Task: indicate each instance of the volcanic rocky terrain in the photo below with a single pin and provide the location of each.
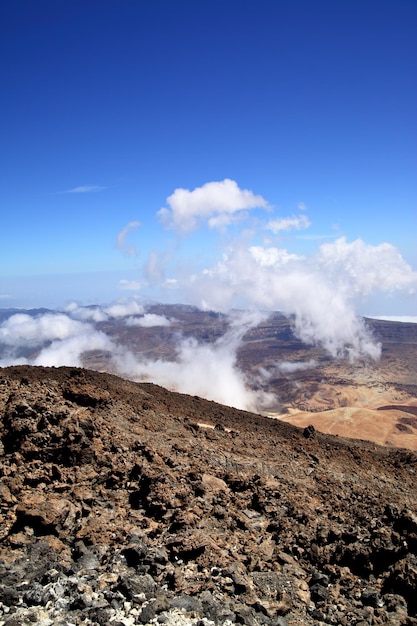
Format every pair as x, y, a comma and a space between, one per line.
125, 503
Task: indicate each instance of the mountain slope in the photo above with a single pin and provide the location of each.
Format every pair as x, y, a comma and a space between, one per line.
127, 503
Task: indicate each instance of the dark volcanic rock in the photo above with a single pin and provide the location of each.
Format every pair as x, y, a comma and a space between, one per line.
123, 503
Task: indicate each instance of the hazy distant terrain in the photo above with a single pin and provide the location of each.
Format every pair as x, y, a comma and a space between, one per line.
262, 366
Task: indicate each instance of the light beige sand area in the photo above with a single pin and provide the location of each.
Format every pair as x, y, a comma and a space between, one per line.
389, 427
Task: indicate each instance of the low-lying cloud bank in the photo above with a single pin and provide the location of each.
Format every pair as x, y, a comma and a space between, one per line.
52, 339
405, 319
206, 370
209, 370
149, 320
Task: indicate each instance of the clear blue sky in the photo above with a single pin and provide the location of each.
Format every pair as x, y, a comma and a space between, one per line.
110, 106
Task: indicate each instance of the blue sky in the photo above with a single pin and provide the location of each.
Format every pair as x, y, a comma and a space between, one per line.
264, 110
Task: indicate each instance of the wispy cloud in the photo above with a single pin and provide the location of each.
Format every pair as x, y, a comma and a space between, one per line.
85, 189
296, 222
121, 245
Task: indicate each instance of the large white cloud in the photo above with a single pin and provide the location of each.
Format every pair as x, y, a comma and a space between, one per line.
215, 202
319, 291
272, 257
365, 268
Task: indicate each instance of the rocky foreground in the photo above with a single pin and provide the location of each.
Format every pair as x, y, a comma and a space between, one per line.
123, 503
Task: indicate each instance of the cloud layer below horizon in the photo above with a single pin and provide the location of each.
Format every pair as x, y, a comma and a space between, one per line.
60, 338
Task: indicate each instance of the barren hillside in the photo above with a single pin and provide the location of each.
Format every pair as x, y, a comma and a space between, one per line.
125, 503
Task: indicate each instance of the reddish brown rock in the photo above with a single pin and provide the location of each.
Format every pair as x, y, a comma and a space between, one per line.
117, 505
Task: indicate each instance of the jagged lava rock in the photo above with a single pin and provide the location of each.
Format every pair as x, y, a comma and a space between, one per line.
126, 503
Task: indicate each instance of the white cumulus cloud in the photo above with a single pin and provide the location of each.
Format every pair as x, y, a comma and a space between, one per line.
271, 256
365, 268
321, 290
215, 202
